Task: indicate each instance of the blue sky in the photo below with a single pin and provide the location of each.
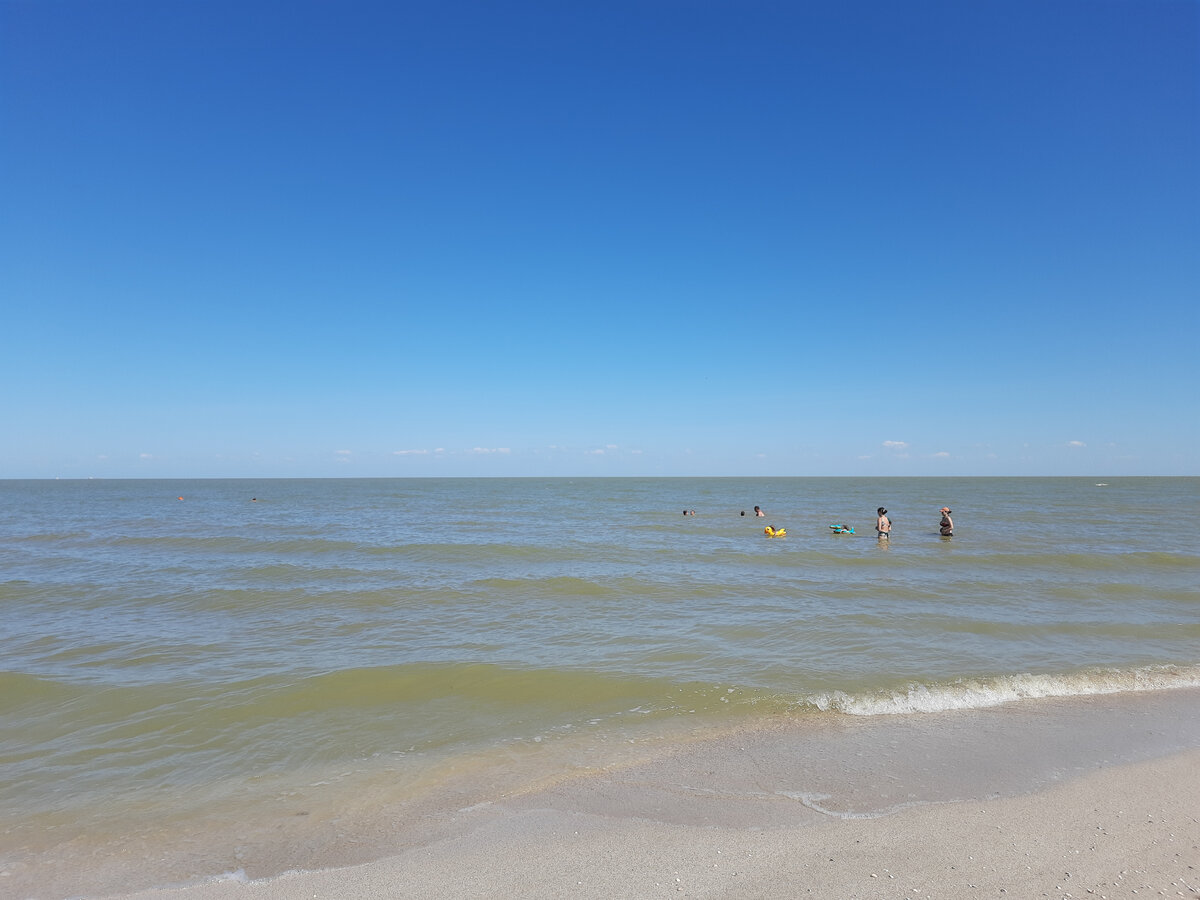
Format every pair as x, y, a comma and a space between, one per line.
527, 238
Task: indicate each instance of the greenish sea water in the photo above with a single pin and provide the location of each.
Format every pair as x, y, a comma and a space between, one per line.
201, 650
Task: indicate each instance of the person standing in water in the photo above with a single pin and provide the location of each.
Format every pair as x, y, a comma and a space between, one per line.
758, 512
883, 525
947, 524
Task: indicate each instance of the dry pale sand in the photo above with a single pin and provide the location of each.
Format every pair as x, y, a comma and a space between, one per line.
721, 821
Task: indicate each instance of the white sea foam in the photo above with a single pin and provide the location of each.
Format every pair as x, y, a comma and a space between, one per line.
816, 803
239, 876
986, 692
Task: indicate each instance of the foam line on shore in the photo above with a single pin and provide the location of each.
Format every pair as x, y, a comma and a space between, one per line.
982, 693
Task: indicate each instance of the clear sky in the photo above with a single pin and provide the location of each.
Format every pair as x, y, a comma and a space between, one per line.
677, 237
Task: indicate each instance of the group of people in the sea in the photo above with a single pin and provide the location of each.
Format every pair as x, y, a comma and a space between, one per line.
883, 524
757, 512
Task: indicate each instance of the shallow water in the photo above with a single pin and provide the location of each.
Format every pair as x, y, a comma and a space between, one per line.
167, 657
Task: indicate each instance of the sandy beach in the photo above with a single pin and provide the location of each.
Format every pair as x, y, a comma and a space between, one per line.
1095, 799
1121, 832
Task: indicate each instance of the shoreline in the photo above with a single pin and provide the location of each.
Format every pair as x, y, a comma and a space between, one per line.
1060, 798
1113, 833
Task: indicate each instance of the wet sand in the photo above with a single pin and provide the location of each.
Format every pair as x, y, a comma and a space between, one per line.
1098, 797
1120, 832
1086, 796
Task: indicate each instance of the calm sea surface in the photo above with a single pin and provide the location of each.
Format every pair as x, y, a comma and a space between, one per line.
174, 647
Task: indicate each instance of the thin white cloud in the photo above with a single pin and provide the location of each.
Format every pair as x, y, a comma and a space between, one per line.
145, 456
896, 445
941, 454
410, 453
1076, 444
343, 452
599, 451
490, 450
610, 446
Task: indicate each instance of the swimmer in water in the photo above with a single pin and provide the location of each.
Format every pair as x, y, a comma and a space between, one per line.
883, 525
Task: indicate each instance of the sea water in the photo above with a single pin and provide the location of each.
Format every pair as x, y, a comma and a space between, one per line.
290, 660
